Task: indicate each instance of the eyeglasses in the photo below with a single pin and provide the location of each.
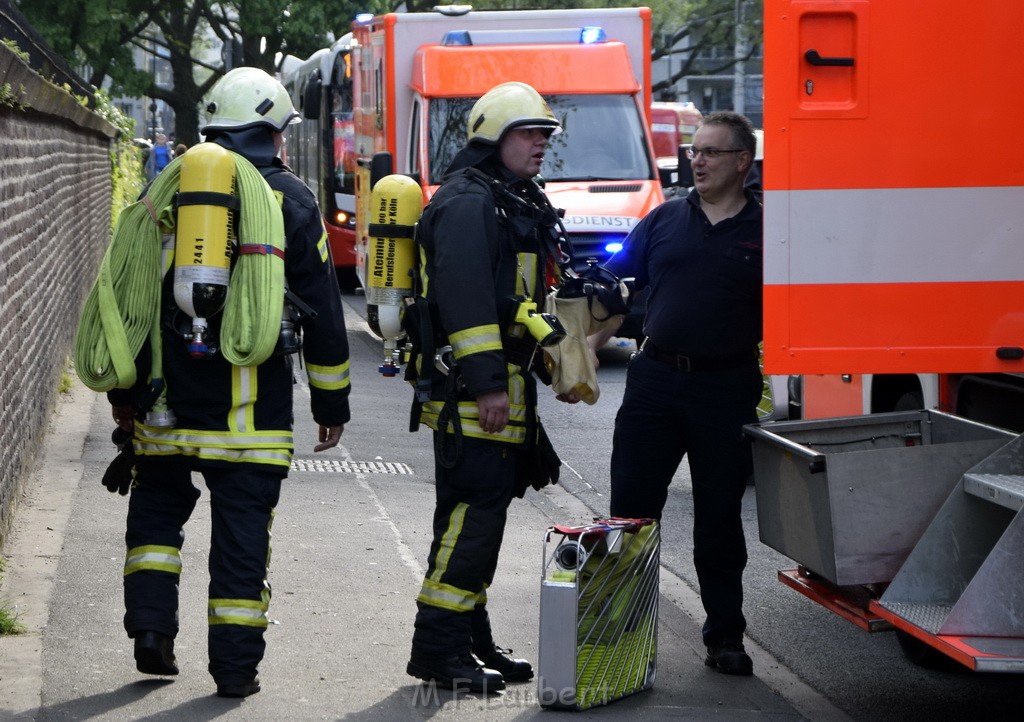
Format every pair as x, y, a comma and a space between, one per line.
709, 153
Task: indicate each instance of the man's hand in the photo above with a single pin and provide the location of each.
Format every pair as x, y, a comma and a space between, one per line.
568, 397
493, 407
329, 437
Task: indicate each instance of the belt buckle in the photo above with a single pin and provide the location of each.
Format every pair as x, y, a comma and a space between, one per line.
683, 363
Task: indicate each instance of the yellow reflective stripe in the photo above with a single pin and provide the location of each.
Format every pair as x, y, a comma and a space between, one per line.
243, 612
528, 265
469, 415
475, 340
448, 539
276, 438
242, 456
261, 447
321, 246
446, 596
154, 558
329, 378
279, 195
243, 399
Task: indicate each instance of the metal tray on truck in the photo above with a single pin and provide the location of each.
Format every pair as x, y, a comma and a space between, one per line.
849, 497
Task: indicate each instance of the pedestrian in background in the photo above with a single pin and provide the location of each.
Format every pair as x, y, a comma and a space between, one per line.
696, 381
159, 156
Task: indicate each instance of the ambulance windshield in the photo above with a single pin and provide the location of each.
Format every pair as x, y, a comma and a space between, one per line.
602, 138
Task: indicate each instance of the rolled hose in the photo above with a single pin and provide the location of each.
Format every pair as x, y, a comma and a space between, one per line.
124, 302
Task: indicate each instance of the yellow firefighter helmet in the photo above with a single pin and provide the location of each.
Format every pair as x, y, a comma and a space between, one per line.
507, 106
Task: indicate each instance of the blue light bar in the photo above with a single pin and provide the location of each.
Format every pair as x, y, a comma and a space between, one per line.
537, 36
613, 247
457, 38
363, 18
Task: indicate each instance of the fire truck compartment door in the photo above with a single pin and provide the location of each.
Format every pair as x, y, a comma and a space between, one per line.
894, 187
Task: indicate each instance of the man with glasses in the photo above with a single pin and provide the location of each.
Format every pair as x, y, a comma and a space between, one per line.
696, 380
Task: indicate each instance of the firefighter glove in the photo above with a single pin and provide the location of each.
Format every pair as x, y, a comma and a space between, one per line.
118, 476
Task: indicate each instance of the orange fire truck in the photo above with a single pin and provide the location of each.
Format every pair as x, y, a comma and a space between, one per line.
418, 74
894, 249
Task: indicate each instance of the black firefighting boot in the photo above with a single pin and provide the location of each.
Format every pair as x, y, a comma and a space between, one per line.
440, 653
493, 656
154, 654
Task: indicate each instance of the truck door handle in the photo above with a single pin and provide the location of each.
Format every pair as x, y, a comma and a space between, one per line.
815, 59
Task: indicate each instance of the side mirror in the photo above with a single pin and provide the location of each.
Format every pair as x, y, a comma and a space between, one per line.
311, 99
380, 165
685, 171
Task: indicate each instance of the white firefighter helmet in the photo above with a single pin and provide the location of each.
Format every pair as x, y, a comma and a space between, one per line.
246, 97
507, 106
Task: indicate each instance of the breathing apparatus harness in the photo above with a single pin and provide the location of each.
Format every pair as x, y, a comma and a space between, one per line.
523, 214
124, 307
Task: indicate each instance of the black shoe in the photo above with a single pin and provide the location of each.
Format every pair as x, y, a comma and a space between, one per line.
729, 659
237, 691
496, 658
154, 653
460, 672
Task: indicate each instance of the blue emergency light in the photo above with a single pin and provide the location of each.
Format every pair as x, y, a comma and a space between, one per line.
585, 35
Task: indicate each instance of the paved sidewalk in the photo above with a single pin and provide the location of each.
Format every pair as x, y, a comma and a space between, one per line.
350, 543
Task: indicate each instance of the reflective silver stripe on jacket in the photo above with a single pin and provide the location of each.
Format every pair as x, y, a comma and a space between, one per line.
262, 447
328, 378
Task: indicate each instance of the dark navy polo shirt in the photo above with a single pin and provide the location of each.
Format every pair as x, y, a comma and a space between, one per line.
705, 281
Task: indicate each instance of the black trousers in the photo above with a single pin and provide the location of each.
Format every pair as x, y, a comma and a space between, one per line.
665, 414
469, 524
242, 506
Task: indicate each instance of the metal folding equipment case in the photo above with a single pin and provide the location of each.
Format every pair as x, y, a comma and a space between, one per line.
598, 612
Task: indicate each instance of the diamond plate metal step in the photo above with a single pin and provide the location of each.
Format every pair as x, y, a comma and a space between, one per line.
1003, 489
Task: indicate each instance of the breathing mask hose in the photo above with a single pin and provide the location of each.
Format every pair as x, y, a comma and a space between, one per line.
124, 303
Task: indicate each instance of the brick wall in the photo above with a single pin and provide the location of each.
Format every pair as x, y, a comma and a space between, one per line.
55, 195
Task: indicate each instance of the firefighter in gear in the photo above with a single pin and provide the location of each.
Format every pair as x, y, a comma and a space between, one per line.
489, 243
231, 423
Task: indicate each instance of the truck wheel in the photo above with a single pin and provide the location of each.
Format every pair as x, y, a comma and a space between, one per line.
924, 655
909, 402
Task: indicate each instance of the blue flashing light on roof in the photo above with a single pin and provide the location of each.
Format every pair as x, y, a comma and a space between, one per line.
592, 34
364, 18
457, 38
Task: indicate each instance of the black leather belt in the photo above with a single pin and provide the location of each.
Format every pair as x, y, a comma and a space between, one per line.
681, 362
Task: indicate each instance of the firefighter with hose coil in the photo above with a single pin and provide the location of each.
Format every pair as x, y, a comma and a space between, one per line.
196, 357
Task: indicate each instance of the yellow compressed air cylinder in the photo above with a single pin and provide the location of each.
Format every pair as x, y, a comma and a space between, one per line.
203, 236
395, 206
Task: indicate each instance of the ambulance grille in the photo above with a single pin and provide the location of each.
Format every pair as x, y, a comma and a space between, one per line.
333, 466
632, 188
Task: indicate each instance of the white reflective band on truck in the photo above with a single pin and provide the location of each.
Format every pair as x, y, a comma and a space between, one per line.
894, 235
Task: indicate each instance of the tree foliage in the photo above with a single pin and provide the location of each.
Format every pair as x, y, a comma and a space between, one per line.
102, 36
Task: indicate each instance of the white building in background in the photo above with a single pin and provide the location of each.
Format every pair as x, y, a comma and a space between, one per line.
741, 88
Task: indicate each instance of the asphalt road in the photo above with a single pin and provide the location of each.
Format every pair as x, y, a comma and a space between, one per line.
865, 675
